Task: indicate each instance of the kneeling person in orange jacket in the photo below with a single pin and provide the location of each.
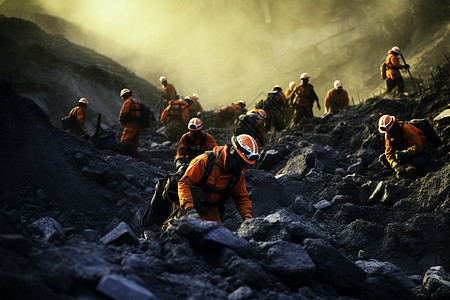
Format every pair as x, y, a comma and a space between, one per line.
203, 195
408, 151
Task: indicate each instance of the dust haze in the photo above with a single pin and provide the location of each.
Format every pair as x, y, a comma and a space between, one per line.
239, 49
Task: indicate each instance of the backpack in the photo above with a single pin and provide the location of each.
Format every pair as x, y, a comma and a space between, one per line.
425, 126
246, 124
70, 121
146, 114
383, 69
166, 192
272, 101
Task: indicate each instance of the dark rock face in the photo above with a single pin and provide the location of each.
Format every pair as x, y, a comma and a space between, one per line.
69, 216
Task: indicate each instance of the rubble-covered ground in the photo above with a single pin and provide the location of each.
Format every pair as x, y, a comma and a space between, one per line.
330, 222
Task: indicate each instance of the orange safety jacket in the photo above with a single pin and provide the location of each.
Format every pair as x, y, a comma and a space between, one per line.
196, 106
229, 112
130, 112
336, 99
393, 66
190, 148
169, 92
404, 137
305, 95
215, 185
177, 110
80, 114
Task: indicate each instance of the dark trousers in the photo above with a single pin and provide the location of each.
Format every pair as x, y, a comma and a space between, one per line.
397, 82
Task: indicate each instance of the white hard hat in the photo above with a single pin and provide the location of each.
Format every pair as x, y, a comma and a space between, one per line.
292, 85
304, 76
162, 78
396, 49
83, 100
337, 84
196, 95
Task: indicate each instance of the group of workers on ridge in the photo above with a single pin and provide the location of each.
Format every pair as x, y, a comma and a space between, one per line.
207, 174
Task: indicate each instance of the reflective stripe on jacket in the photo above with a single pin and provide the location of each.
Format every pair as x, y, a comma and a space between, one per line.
190, 148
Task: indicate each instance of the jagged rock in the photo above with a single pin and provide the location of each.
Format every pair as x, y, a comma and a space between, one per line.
378, 193
374, 267
248, 271
358, 168
333, 265
435, 282
41, 195
49, 227
120, 288
443, 118
288, 261
322, 204
120, 235
244, 292
15, 242
301, 206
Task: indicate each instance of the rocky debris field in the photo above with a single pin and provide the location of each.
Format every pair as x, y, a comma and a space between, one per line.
330, 222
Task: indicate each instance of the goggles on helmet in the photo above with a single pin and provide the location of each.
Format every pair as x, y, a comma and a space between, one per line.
246, 150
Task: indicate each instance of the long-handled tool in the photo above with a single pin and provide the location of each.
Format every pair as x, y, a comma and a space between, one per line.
410, 75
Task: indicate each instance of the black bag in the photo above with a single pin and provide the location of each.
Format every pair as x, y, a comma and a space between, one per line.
159, 208
383, 68
70, 121
425, 126
272, 101
146, 116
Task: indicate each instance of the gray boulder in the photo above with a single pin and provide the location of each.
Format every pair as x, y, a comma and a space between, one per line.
48, 227
120, 288
334, 266
120, 235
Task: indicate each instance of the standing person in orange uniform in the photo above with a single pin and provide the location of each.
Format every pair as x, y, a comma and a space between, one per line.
79, 128
336, 99
129, 117
168, 91
393, 67
289, 93
212, 177
196, 107
176, 117
305, 97
192, 143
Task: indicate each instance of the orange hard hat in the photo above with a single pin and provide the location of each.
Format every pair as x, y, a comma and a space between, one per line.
396, 49
195, 124
246, 147
242, 102
261, 113
385, 123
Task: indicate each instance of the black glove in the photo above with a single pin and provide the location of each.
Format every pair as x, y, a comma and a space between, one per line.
192, 213
406, 66
401, 156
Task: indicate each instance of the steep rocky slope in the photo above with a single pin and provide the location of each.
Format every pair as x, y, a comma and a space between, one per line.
330, 222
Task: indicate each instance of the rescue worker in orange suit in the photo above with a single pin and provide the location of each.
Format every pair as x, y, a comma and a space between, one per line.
304, 100
176, 117
336, 99
289, 94
227, 114
80, 111
129, 117
196, 107
226, 178
252, 124
407, 150
192, 143
168, 91
393, 67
